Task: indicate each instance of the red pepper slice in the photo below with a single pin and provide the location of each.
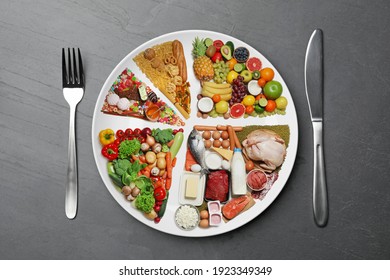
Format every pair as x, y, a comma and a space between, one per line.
110, 151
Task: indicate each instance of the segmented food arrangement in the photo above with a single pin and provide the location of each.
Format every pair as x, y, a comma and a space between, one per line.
193, 173
234, 84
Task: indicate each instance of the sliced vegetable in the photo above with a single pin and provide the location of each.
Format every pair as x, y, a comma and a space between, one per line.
163, 206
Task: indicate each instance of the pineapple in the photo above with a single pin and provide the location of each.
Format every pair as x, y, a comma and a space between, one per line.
199, 47
203, 68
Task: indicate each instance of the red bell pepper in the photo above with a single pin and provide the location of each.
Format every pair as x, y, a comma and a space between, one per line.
110, 151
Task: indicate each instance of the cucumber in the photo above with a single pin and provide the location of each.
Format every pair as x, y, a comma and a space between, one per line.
177, 141
163, 207
116, 179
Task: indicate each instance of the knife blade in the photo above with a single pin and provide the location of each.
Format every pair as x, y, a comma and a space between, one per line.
314, 87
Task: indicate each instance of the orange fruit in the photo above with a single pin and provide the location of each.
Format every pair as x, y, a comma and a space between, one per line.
249, 109
271, 105
267, 74
216, 98
261, 82
231, 62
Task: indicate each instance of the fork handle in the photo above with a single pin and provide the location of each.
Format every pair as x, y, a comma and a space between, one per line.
71, 182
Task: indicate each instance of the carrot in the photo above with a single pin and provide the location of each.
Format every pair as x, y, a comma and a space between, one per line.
168, 183
174, 162
168, 159
134, 157
170, 143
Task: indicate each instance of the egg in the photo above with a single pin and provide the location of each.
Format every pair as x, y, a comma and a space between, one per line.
224, 135
206, 135
204, 214
196, 168
216, 135
225, 144
217, 143
204, 223
208, 144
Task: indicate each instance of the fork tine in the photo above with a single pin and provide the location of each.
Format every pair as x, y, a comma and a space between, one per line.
81, 71
64, 73
75, 76
70, 72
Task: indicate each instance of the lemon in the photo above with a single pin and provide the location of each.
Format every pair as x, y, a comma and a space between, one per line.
222, 107
248, 100
231, 76
281, 103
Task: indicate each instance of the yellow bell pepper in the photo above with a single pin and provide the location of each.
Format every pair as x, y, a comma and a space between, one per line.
106, 136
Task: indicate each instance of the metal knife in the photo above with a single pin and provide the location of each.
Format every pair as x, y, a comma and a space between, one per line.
314, 86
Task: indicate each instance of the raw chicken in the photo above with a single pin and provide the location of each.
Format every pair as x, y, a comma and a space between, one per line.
265, 146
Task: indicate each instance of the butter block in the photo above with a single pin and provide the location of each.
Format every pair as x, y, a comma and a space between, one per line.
192, 184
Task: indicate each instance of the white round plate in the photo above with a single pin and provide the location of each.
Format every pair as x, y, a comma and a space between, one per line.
102, 121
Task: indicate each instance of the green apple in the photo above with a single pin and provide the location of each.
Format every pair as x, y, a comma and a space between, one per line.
247, 75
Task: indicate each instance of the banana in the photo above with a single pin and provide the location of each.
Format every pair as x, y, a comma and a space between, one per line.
225, 97
215, 85
218, 90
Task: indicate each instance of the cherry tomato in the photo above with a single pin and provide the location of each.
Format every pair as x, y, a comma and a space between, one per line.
249, 109
271, 105
261, 82
157, 220
128, 132
181, 130
159, 203
120, 133
216, 98
175, 131
267, 74
141, 139
137, 131
160, 193
218, 44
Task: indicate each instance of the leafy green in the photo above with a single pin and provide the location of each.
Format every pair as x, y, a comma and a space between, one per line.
128, 148
131, 173
145, 201
121, 166
162, 136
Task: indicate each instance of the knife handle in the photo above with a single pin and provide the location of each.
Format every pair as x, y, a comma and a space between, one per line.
320, 196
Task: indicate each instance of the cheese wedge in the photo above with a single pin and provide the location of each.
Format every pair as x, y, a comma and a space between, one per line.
192, 184
226, 154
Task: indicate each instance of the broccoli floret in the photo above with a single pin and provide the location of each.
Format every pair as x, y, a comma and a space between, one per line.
128, 148
162, 136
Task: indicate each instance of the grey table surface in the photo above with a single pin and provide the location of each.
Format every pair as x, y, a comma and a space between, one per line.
34, 128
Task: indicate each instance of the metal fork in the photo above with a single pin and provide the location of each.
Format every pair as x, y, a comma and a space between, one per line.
73, 89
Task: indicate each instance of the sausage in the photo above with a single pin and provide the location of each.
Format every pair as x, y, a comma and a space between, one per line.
235, 128
231, 137
178, 53
218, 127
236, 141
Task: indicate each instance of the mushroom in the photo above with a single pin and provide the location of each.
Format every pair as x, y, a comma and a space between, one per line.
157, 148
